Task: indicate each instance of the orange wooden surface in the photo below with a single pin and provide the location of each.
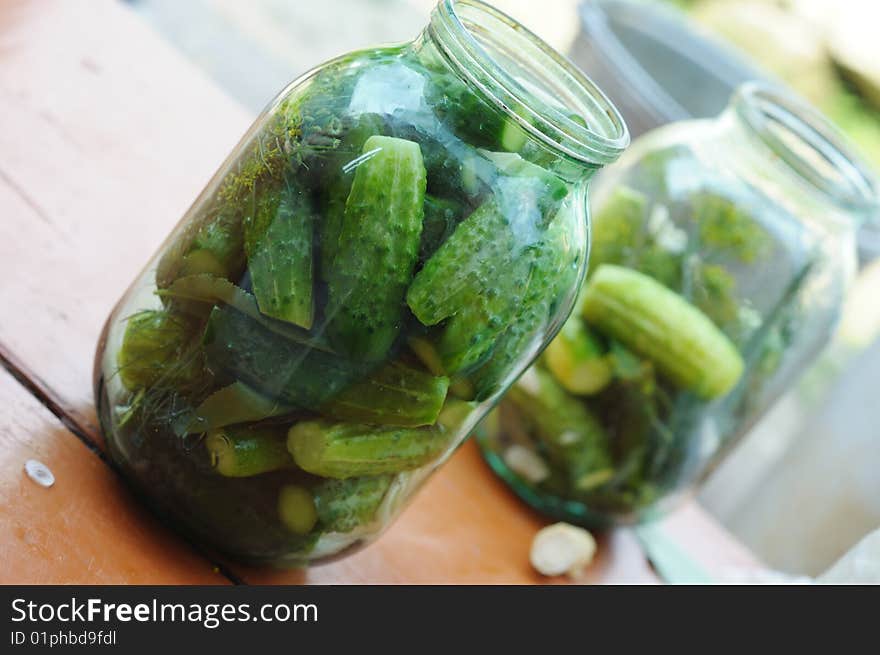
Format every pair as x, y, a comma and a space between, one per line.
107, 135
85, 528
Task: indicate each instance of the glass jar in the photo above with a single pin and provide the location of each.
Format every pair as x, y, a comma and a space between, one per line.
390, 245
721, 251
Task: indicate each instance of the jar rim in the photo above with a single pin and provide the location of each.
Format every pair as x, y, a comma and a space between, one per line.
475, 36
808, 143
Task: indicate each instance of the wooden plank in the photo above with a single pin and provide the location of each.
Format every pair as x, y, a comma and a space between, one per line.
108, 135
86, 528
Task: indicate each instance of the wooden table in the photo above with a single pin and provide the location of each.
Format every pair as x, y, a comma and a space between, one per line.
106, 135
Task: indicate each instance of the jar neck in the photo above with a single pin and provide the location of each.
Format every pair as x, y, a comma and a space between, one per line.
550, 99
789, 139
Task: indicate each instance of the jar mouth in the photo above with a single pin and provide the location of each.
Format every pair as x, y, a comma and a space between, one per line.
804, 140
548, 96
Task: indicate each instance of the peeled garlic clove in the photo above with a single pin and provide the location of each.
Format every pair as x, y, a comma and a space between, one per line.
562, 548
526, 463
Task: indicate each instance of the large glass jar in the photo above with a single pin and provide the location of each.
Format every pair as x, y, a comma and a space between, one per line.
391, 244
721, 251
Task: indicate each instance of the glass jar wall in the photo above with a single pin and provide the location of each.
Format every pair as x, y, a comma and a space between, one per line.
391, 244
721, 253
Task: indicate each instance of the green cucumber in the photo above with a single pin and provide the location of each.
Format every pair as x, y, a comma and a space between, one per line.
555, 268
275, 366
577, 359
235, 403
658, 324
349, 450
245, 451
159, 348
278, 243
296, 509
378, 249
393, 395
475, 279
572, 436
344, 505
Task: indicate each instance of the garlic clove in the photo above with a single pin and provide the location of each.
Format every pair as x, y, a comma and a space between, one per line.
562, 548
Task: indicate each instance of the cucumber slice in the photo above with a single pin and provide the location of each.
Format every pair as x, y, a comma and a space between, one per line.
278, 242
393, 395
242, 452
350, 450
658, 324
378, 249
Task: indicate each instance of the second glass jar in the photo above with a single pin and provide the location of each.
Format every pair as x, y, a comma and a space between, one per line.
721, 253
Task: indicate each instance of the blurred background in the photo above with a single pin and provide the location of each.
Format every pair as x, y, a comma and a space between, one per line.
804, 485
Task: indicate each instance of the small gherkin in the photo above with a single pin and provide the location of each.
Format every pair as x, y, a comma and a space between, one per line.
378, 249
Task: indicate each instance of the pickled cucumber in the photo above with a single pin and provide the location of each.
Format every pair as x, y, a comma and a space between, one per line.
475, 279
378, 248
393, 395
244, 451
663, 327
555, 269
275, 366
278, 243
343, 505
349, 450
